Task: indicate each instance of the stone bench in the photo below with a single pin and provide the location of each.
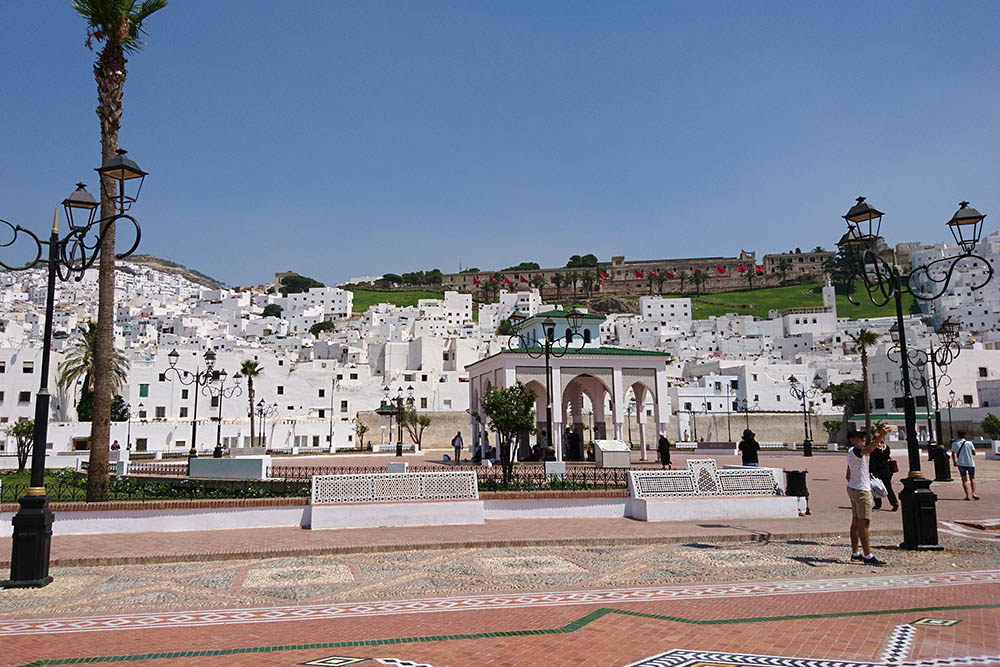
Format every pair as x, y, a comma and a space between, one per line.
396, 499
392, 448
702, 492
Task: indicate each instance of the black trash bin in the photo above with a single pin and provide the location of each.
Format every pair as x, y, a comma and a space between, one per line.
942, 465
795, 485
807, 448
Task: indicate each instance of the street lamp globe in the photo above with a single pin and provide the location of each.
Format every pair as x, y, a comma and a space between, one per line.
864, 222
966, 226
80, 200
123, 169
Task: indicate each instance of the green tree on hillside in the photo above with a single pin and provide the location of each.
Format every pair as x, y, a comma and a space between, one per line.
524, 266
683, 277
558, 279
784, 264
538, 282
272, 310
295, 284
578, 262
320, 327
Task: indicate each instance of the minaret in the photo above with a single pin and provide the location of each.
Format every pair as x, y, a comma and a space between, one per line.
830, 296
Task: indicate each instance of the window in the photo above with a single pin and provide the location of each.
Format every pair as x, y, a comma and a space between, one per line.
184, 412
406, 378
754, 377
23, 397
447, 404
140, 444
143, 391
281, 362
184, 394
921, 401
163, 377
778, 398
142, 414
340, 376
687, 406
28, 367
3, 366
423, 378
423, 402
322, 413
161, 412
215, 401
967, 399
586, 336
343, 406
180, 443
756, 397
281, 390
322, 393
353, 376
982, 372
1, 397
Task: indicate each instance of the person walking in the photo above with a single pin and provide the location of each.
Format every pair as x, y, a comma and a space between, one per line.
859, 490
663, 448
962, 452
880, 461
456, 444
749, 448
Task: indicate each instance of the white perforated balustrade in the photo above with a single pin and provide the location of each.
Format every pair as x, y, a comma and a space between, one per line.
394, 487
701, 479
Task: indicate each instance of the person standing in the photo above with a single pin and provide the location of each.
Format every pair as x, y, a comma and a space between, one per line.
749, 448
456, 444
962, 452
859, 490
881, 467
663, 448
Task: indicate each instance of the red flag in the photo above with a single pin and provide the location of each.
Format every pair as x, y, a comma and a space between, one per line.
476, 281
651, 272
741, 268
603, 275
637, 272
759, 269
493, 279
669, 275
720, 269
696, 269
523, 279
538, 275
507, 280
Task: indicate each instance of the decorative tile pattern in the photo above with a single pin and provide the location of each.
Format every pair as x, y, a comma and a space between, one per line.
746, 482
179, 619
661, 483
401, 663
938, 622
334, 661
898, 647
394, 487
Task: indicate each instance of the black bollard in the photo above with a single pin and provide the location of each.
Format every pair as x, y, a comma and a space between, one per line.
942, 465
807, 448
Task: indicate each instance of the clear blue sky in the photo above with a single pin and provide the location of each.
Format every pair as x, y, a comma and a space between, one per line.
345, 138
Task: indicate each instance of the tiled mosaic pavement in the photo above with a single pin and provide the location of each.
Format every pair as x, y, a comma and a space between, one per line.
783, 603
407, 574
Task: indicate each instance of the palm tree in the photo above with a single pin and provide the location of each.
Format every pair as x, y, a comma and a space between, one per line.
784, 264
863, 340
661, 277
251, 369
748, 274
118, 24
558, 280
682, 276
538, 282
588, 278
79, 363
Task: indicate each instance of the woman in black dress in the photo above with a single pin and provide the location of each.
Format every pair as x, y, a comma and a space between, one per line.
663, 447
879, 466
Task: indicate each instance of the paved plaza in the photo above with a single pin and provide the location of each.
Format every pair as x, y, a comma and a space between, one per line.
553, 592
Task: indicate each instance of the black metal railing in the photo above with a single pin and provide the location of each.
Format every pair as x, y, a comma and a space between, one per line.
142, 489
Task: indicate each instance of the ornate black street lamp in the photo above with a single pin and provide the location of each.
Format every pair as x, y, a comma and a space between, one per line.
885, 282
952, 402
221, 392
548, 346
200, 379
263, 412
803, 393
64, 258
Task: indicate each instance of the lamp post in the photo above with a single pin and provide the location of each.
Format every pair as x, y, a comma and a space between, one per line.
744, 407
199, 379
263, 412
884, 282
548, 345
64, 258
128, 436
629, 411
803, 393
951, 403
729, 415
221, 392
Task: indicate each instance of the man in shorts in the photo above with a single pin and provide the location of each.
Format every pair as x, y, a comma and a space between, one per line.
962, 452
859, 490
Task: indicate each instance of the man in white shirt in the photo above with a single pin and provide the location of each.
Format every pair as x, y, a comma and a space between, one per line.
859, 490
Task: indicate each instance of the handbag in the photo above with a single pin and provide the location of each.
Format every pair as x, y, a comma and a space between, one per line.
878, 488
893, 466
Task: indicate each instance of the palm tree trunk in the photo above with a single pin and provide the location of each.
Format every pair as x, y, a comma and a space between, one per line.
868, 402
250, 397
109, 72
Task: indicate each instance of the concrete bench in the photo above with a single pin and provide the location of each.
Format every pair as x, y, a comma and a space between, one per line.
702, 492
392, 448
396, 499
